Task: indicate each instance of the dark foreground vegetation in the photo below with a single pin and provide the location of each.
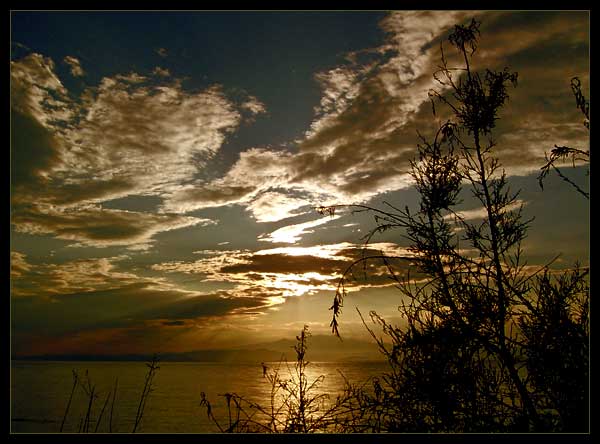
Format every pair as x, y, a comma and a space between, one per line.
104, 422
489, 344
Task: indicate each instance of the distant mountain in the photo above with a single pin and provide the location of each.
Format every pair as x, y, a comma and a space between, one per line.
320, 348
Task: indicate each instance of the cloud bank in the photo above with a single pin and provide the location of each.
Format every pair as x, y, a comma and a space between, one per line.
131, 135
364, 133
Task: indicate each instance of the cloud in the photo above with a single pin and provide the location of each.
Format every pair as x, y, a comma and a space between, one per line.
88, 300
218, 193
95, 226
206, 306
361, 140
18, 264
353, 150
293, 233
481, 212
273, 206
208, 266
36, 91
256, 170
269, 277
144, 134
547, 49
364, 133
155, 136
75, 65
142, 333
352, 252
161, 72
86, 303
78, 276
283, 272
103, 281
253, 105
363, 145
282, 264
340, 86
330, 251
34, 152
174, 323
130, 318
130, 135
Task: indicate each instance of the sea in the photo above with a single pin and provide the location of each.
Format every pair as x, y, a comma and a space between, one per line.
40, 392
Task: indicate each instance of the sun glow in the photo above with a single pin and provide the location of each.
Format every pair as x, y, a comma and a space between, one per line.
293, 233
291, 284
332, 251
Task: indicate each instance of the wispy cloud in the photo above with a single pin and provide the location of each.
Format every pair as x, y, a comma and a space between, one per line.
96, 304
290, 271
354, 149
480, 213
162, 72
293, 233
256, 170
75, 65
253, 105
364, 134
273, 206
78, 276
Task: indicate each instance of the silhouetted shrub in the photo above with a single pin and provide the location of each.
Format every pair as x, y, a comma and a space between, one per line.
488, 346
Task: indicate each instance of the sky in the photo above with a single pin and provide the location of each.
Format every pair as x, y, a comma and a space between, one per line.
165, 166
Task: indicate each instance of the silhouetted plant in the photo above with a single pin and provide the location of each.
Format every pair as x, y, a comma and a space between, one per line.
99, 420
295, 406
559, 153
146, 390
90, 391
112, 406
476, 353
557, 348
75, 381
91, 394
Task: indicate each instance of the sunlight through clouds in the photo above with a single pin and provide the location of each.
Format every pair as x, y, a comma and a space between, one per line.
167, 184
293, 233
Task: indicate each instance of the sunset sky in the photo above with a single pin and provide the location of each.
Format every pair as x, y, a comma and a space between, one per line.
166, 166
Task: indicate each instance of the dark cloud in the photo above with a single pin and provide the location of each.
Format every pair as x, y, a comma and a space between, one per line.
96, 226
173, 323
203, 306
137, 315
84, 303
34, 151
279, 263
125, 306
288, 272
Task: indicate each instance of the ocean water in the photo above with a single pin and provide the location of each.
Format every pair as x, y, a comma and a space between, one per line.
40, 392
